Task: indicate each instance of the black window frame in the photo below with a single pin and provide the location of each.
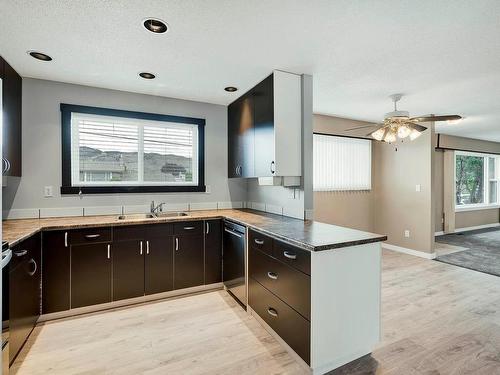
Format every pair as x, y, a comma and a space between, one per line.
68, 188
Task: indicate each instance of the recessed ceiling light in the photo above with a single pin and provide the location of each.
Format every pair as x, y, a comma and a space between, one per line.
230, 89
147, 75
39, 56
155, 25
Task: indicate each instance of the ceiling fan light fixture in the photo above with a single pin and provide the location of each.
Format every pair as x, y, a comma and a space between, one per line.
403, 131
378, 134
390, 137
415, 134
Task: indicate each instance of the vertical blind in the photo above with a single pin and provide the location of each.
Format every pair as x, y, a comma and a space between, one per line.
341, 163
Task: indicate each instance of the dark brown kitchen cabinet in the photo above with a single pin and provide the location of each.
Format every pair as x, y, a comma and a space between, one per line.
55, 272
213, 251
159, 262
90, 274
128, 269
12, 114
188, 260
241, 137
24, 292
264, 127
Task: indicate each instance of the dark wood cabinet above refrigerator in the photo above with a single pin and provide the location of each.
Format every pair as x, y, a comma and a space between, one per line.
265, 129
12, 115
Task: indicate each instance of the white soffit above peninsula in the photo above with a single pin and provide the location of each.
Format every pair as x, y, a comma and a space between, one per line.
444, 55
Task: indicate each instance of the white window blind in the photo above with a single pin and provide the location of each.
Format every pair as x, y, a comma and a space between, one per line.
341, 163
108, 150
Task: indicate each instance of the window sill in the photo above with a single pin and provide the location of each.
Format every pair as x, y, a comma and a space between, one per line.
131, 189
477, 207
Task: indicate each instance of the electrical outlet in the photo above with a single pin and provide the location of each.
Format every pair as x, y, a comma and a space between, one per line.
418, 188
407, 233
48, 191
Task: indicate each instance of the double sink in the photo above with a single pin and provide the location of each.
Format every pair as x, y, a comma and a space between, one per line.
152, 215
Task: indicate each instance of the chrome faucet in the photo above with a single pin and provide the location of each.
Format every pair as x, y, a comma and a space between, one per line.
155, 209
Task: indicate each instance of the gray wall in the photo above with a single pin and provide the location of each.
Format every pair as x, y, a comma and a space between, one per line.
42, 146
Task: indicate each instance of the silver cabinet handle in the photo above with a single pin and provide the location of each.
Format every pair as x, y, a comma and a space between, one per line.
109, 251
176, 244
92, 236
20, 253
289, 255
147, 247
32, 261
272, 312
140, 247
273, 169
272, 275
233, 233
208, 227
188, 228
258, 242
65, 239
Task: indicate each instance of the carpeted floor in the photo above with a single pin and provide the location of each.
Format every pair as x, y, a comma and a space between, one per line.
483, 250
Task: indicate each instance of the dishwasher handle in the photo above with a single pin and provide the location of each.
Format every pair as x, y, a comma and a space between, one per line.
239, 235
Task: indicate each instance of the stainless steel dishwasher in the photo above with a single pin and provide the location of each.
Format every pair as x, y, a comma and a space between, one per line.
233, 261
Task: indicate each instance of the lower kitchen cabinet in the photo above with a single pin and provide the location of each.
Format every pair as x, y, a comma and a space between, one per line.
24, 292
159, 265
128, 269
55, 272
213, 251
90, 274
188, 261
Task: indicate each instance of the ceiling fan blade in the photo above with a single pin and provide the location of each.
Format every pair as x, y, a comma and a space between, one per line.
374, 130
418, 127
436, 118
360, 127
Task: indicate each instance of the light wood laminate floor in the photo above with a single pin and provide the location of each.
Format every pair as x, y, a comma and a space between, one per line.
436, 319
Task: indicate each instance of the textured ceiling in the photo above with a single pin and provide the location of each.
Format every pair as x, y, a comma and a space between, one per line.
445, 55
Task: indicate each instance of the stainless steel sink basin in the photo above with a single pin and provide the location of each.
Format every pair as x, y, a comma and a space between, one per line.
171, 214
136, 216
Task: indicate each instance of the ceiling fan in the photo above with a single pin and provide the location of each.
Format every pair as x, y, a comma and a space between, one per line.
399, 124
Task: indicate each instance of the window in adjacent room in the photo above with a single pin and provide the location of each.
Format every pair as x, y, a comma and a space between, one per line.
341, 163
106, 151
477, 179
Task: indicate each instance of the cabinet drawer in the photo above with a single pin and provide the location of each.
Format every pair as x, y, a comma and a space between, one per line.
286, 322
159, 230
290, 285
293, 256
89, 235
129, 232
188, 228
260, 241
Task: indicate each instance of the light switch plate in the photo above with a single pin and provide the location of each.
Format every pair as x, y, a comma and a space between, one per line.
48, 191
418, 187
208, 189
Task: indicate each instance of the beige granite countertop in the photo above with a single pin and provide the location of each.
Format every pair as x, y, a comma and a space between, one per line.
308, 234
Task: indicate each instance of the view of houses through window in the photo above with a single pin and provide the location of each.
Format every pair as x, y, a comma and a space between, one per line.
110, 150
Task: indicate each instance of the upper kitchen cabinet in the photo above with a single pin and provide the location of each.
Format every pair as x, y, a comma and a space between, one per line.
264, 129
241, 137
11, 103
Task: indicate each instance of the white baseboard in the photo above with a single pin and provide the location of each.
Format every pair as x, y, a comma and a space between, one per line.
440, 233
405, 250
493, 225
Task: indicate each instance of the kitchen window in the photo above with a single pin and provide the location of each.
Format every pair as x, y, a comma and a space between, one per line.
477, 179
341, 163
115, 151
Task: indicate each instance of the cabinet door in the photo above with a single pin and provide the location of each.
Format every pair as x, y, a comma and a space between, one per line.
24, 292
159, 265
213, 251
12, 100
90, 274
128, 269
263, 99
55, 273
241, 137
188, 261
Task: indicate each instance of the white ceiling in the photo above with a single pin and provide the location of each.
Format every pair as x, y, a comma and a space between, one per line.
444, 54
